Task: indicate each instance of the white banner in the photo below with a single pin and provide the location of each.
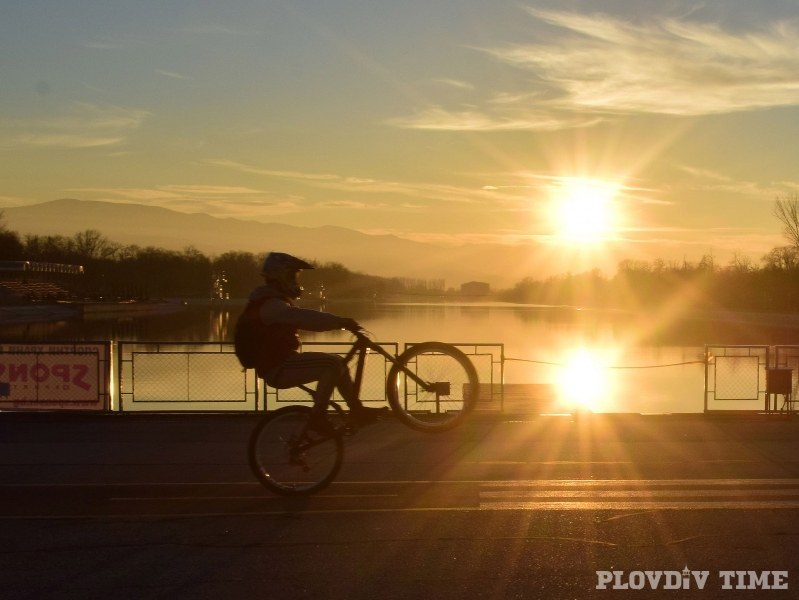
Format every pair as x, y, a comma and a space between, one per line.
54, 376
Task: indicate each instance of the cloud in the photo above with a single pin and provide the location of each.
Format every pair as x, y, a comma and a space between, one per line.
219, 201
597, 66
712, 181
667, 66
455, 83
83, 126
172, 74
244, 168
167, 193
115, 41
209, 190
477, 195
438, 118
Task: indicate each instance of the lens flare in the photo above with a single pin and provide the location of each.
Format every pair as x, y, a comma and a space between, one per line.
585, 381
584, 210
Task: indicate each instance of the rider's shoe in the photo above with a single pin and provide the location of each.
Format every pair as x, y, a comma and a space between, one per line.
361, 416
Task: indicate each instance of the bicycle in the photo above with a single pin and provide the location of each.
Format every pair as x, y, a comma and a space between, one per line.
430, 387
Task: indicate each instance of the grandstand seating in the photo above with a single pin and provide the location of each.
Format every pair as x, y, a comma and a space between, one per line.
32, 291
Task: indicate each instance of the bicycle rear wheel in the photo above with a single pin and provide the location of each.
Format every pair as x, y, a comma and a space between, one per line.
449, 392
289, 459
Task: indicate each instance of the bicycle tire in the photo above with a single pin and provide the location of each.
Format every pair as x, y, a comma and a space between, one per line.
290, 460
455, 380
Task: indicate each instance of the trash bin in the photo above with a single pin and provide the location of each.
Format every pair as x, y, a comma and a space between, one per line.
779, 380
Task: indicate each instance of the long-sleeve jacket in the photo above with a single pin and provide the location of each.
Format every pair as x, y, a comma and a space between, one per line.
279, 322
277, 309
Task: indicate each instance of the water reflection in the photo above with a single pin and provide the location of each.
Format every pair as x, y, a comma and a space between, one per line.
586, 380
182, 324
577, 352
219, 323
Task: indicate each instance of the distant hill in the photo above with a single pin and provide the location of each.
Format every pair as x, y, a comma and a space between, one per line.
382, 255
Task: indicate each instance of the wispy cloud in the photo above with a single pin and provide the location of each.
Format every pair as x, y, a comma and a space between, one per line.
83, 126
438, 118
712, 181
164, 193
210, 190
219, 201
599, 66
172, 74
667, 66
455, 83
377, 188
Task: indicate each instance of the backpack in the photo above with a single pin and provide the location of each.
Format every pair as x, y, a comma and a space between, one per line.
248, 338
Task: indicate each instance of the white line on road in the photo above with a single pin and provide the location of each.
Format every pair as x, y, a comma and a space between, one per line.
659, 494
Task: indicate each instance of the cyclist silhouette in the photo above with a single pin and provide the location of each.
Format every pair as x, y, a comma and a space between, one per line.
270, 325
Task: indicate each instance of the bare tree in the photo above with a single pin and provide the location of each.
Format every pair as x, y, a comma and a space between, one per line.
11, 248
782, 258
786, 209
92, 244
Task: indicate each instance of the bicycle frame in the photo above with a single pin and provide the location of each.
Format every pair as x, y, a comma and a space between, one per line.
292, 453
360, 347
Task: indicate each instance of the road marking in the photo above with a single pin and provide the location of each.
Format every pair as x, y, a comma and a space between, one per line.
264, 496
642, 494
624, 497
638, 482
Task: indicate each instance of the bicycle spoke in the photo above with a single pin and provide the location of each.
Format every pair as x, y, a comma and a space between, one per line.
288, 459
432, 387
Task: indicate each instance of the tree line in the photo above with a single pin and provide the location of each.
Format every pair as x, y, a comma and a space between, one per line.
704, 285
115, 271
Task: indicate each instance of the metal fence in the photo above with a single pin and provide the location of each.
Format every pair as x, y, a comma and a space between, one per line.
786, 358
751, 378
373, 386
205, 376
486, 358
182, 376
735, 377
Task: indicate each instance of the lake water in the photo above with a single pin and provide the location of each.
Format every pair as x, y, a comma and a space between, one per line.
606, 361
601, 360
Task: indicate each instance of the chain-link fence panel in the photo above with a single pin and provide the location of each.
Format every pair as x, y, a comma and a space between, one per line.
735, 378
489, 362
172, 376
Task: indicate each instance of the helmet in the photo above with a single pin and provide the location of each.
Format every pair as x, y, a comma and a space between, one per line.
281, 271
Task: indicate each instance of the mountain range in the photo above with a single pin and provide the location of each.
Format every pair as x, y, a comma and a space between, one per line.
382, 255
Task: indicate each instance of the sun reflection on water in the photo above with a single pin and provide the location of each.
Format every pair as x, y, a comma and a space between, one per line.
586, 380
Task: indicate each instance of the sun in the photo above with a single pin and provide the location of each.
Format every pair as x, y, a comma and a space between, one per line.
584, 210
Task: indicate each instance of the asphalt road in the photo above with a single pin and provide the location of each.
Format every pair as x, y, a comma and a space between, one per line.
165, 507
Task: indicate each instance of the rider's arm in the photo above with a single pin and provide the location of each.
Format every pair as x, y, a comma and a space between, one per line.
278, 311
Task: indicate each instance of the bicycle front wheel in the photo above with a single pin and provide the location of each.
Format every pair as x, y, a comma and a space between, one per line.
432, 387
289, 459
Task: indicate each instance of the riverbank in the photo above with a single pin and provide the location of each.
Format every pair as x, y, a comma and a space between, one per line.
61, 311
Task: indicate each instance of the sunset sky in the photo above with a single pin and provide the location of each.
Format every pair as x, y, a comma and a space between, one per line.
617, 128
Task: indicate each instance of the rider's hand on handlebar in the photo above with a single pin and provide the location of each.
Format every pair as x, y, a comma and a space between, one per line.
351, 325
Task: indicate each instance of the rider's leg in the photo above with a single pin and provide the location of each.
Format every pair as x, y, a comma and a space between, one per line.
307, 367
346, 388
361, 415
330, 371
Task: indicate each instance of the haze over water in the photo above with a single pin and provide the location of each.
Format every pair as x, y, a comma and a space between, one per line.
597, 360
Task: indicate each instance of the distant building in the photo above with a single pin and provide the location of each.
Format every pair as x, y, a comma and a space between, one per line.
475, 288
27, 281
